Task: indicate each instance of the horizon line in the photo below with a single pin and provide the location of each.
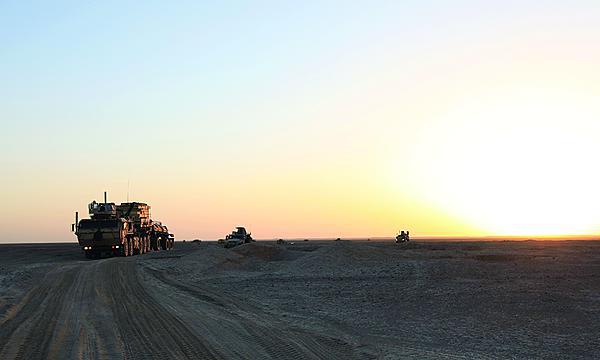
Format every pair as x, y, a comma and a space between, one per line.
491, 238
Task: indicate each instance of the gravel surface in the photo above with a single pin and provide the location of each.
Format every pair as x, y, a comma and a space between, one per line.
309, 300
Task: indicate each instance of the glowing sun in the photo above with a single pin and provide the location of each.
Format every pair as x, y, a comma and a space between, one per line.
525, 165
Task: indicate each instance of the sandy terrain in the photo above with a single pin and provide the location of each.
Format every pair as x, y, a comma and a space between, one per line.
310, 300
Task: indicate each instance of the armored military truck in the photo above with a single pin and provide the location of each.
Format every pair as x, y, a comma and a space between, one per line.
120, 230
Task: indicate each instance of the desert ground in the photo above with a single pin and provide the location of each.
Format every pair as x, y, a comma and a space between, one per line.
307, 300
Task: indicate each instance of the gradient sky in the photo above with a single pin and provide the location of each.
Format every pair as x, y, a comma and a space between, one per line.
302, 119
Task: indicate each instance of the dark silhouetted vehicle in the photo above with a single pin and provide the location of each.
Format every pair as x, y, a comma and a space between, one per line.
403, 236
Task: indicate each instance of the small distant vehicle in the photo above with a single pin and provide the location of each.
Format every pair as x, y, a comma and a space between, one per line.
237, 237
280, 241
403, 236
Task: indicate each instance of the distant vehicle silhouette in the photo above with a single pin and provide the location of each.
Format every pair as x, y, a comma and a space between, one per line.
403, 236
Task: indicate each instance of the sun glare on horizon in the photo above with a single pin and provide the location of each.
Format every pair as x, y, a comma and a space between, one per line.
517, 166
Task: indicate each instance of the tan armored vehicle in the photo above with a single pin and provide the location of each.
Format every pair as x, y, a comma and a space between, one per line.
120, 230
237, 237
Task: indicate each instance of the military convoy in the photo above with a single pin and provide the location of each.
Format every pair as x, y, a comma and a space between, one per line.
127, 229
120, 230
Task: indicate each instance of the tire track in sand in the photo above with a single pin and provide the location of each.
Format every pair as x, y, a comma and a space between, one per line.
237, 328
95, 310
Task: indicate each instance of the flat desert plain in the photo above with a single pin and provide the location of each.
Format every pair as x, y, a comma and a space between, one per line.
307, 300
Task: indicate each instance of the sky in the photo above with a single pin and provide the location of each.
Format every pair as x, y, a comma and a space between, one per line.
302, 119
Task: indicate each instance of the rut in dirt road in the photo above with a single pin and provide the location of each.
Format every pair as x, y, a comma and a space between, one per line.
239, 328
118, 309
95, 310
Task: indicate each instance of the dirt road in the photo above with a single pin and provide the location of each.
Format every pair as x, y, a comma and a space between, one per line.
108, 309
